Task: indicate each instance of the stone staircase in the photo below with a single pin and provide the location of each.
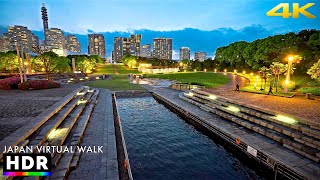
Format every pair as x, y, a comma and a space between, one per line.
299, 136
62, 125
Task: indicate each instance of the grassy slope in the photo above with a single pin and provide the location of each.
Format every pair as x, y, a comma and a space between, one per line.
202, 78
116, 82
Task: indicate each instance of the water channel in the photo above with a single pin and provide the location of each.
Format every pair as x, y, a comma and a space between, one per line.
161, 145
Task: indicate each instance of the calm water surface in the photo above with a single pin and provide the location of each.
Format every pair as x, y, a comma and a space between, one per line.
163, 146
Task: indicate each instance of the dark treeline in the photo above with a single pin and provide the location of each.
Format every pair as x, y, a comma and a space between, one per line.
262, 52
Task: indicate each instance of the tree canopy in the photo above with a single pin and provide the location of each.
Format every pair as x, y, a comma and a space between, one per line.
263, 52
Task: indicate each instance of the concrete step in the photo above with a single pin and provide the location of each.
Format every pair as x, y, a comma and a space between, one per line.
312, 125
25, 131
69, 161
58, 136
256, 125
298, 130
41, 135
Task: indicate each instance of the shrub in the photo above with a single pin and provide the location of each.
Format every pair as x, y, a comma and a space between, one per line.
38, 84
10, 83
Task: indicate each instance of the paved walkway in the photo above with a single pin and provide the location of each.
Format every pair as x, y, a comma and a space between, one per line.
99, 132
298, 106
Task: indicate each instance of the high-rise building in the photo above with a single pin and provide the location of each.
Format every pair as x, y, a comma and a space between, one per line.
117, 49
22, 36
126, 46
96, 44
162, 48
72, 43
54, 39
184, 53
145, 51
201, 56
135, 41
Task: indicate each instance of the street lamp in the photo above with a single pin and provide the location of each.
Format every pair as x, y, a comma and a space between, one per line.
290, 60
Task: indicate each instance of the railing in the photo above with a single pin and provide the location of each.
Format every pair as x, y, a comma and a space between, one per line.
185, 87
127, 162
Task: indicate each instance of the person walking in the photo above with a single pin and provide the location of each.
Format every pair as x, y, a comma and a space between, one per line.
238, 87
270, 90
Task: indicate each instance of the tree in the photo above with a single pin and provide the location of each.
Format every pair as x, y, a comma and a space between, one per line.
9, 61
314, 71
85, 64
263, 73
277, 69
51, 62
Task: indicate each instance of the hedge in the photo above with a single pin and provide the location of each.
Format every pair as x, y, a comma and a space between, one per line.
38, 84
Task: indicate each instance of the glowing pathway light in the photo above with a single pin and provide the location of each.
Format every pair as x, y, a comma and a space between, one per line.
244, 72
213, 97
97, 77
233, 109
80, 93
81, 102
205, 70
215, 70
189, 94
251, 74
87, 77
285, 119
57, 133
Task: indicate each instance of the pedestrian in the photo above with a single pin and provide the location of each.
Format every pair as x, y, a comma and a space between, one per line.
270, 90
238, 87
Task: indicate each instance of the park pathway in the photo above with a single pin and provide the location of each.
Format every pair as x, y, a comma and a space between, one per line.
297, 106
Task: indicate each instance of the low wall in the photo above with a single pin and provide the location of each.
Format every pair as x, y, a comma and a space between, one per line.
157, 71
184, 87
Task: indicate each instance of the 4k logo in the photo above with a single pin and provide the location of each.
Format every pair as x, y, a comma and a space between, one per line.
296, 10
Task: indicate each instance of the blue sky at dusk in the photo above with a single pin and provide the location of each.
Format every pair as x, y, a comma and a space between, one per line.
203, 25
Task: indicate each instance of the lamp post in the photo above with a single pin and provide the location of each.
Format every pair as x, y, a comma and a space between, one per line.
290, 60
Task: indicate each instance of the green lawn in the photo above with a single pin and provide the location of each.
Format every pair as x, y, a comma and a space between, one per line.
312, 90
104, 69
110, 69
250, 87
126, 70
206, 79
302, 84
115, 83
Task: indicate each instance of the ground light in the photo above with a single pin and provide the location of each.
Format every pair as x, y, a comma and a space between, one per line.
215, 70
251, 74
213, 97
57, 133
97, 77
195, 70
244, 72
285, 119
189, 94
233, 109
81, 102
205, 70
71, 79
87, 77
80, 93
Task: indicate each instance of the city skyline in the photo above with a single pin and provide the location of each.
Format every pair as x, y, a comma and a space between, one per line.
247, 32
